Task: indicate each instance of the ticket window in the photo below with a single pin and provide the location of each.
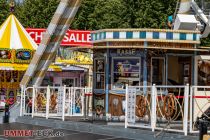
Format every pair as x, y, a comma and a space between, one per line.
158, 70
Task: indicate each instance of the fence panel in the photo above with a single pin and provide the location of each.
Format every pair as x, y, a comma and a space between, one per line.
157, 107
39, 107
26, 101
138, 106
199, 105
172, 108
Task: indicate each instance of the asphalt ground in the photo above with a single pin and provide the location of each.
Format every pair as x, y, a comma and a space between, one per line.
50, 133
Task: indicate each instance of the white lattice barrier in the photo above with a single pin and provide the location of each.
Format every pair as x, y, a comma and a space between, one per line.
138, 106
26, 101
157, 107
199, 105
57, 102
172, 108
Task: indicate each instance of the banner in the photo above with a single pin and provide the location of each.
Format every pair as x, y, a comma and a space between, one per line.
72, 37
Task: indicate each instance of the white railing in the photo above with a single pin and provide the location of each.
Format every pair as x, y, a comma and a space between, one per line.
56, 102
153, 107
157, 107
199, 103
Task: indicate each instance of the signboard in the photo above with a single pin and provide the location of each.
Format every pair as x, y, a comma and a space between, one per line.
131, 105
72, 37
60, 101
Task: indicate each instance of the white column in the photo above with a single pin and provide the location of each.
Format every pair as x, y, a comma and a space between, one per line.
126, 106
64, 101
186, 99
48, 102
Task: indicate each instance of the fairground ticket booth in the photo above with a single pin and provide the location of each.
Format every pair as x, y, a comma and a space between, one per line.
139, 57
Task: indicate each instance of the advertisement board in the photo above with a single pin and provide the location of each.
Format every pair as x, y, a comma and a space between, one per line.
72, 37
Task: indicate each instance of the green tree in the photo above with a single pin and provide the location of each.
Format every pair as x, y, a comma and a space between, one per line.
36, 13
4, 12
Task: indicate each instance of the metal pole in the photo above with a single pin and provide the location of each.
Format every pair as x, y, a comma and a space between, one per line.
64, 101
153, 113
186, 101
48, 102
126, 107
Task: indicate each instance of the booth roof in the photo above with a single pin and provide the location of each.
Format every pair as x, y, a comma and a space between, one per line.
23, 67
14, 36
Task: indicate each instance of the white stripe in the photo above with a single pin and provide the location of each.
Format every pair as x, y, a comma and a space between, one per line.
189, 36
15, 41
162, 35
30, 69
122, 35
149, 35
61, 8
32, 42
109, 35
175, 36
136, 35
5, 24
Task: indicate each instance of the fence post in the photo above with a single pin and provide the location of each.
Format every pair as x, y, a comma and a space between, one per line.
64, 101
191, 106
71, 101
126, 106
48, 100
33, 101
153, 113
85, 103
186, 99
21, 100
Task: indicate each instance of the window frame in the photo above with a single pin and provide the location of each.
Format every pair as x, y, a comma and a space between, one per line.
113, 72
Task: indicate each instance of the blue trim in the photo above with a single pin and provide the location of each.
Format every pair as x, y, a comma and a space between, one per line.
92, 37
143, 35
104, 35
95, 37
129, 35
182, 36
194, 37
169, 35
116, 35
145, 68
155, 35
107, 79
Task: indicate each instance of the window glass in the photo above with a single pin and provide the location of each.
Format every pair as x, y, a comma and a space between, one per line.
126, 71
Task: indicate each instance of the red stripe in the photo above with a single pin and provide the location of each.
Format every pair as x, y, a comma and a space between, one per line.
202, 97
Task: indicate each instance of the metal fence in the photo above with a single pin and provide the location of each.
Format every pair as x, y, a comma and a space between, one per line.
199, 105
169, 108
157, 107
56, 102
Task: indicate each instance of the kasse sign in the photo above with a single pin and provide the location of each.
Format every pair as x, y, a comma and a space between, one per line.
72, 37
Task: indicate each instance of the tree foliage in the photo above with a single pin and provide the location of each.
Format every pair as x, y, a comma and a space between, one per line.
98, 14
4, 12
36, 13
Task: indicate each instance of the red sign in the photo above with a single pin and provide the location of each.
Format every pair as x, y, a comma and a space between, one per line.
72, 37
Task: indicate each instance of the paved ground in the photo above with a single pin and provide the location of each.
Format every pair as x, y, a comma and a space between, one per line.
64, 134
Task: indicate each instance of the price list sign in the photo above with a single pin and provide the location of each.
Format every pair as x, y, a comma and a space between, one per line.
131, 102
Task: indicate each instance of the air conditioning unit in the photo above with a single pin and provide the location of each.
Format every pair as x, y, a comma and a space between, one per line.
185, 22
